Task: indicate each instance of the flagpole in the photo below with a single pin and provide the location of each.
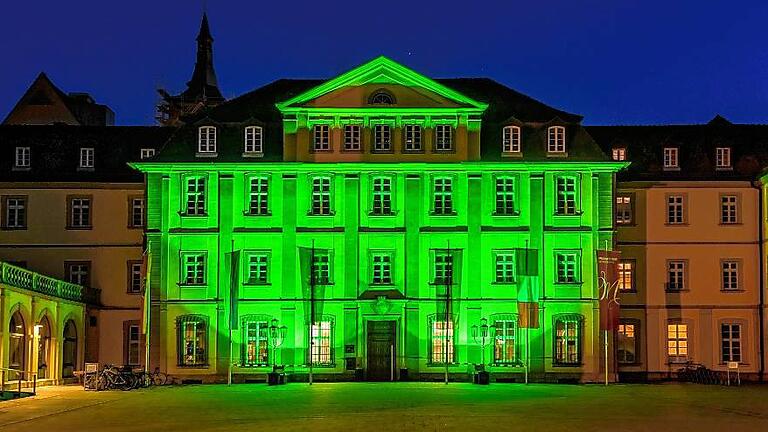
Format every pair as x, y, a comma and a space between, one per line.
231, 278
147, 310
449, 282
605, 343
527, 323
312, 308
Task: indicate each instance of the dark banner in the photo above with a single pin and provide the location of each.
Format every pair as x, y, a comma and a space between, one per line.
608, 288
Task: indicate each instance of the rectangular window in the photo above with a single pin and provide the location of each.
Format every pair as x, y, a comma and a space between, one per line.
78, 273
193, 268
322, 140
15, 212
382, 196
23, 159
352, 138
322, 343
505, 266
442, 341
86, 158
677, 342
675, 209
626, 351
566, 195
731, 342
253, 140
511, 140
676, 275
442, 268
382, 138
133, 345
504, 347
505, 195
256, 343
442, 202
134, 277
193, 339
567, 341
567, 267
195, 196
147, 153
626, 275
206, 139
79, 212
723, 157
136, 213
619, 154
412, 137
670, 158
258, 268
381, 266
258, 196
623, 209
321, 266
443, 137
556, 139
321, 196
729, 209
730, 275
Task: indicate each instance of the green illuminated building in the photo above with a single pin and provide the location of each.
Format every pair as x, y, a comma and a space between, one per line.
386, 180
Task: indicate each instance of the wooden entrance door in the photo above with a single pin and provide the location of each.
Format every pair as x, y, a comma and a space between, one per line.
381, 346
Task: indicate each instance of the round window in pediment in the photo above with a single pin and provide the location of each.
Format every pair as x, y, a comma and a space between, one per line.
381, 97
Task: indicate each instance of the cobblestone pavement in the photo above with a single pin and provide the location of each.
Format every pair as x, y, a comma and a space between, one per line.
393, 407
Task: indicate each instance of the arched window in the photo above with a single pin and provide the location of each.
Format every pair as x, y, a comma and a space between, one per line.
69, 361
381, 97
43, 348
569, 329
511, 140
556, 139
17, 342
192, 340
253, 140
206, 142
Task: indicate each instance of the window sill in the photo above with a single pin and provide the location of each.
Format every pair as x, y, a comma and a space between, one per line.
684, 290
673, 224
253, 154
250, 284
249, 214
448, 151
324, 365
21, 168
451, 214
202, 215
567, 365
200, 366
512, 154
134, 292
557, 154
19, 228
331, 214
724, 168
413, 151
186, 285
508, 283
731, 224
577, 213
206, 154
314, 150
577, 283
382, 151
733, 291
374, 285
671, 168
512, 214
382, 215
354, 151
86, 169
80, 228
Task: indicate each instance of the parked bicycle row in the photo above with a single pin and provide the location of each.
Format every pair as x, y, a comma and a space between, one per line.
111, 377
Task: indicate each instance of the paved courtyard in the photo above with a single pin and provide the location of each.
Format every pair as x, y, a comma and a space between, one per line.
393, 407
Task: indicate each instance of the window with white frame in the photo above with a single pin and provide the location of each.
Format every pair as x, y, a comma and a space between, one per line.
441, 339
23, 158
137, 212
442, 267
626, 350
504, 339
321, 266
443, 137
505, 266
729, 205
194, 196
322, 138
254, 140
676, 277
134, 277
442, 196
619, 153
382, 196
147, 153
206, 139
79, 212
626, 275
257, 268
511, 139
193, 268
381, 268
730, 275
87, 157
671, 158
565, 189
731, 342
15, 212
258, 195
133, 345
382, 138
255, 341
675, 209
505, 195
192, 340
568, 333
352, 135
677, 342
623, 209
78, 273
567, 267
412, 137
321, 196
321, 342
723, 157
556, 139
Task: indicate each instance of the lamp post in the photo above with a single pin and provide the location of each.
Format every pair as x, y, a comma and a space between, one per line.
480, 334
276, 337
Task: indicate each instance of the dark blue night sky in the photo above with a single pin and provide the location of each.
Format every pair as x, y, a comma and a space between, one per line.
615, 62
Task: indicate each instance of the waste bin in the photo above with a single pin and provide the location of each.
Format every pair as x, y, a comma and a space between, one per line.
482, 378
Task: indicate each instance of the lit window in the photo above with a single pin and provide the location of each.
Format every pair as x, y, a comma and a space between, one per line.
134, 277
730, 275
322, 140
442, 268
504, 346
258, 268
133, 344
322, 342
321, 196
729, 209
22, 157
382, 196
505, 195
147, 153
255, 342
567, 266
443, 137
192, 337
381, 263
382, 138
86, 158
675, 209
352, 138
321, 266
79, 212
556, 139
623, 209
78, 273
412, 137
677, 342
723, 157
505, 266
195, 196
137, 212
626, 275
441, 340
442, 202
206, 140
675, 275
511, 140
670, 157
626, 351
731, 342
568, 340
258, 196
15, 212
253, 140
619, 154
193, 268
566, 195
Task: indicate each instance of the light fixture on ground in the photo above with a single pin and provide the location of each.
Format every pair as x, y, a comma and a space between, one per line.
481, 333
277, 334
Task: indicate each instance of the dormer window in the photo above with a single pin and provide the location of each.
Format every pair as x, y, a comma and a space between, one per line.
147, 153
322, 140
22, 157
723, 157
671, 158
206, 142
556, 139
381, 98
86, 157
511, 140
619, 153
443, 137
253, 141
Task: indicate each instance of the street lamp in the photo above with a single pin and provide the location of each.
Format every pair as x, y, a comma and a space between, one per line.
480, 334
276, 337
